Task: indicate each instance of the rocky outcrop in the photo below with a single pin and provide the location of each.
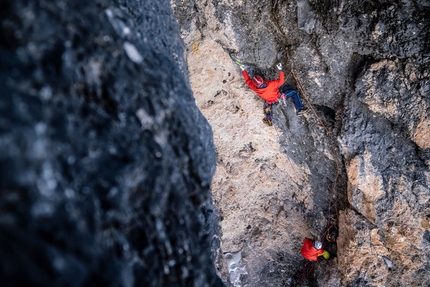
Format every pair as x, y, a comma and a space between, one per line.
387, 167
364, 70
105, 162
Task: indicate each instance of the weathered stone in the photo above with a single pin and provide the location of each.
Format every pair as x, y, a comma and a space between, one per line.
364, 69
105, 162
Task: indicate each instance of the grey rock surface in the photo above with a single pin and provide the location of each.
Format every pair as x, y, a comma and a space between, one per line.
105, 162
364, 67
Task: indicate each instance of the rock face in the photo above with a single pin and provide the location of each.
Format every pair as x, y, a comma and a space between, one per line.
105, 162
387, 166
363, 150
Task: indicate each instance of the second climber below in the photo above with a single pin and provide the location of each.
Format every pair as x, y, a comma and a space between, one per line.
311, 249
269, 92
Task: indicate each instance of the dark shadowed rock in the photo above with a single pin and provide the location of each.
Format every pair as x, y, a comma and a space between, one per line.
364, 67
105, 162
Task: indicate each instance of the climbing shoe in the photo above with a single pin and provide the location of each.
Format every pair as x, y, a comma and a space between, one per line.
302, 111
268, 121
267, 108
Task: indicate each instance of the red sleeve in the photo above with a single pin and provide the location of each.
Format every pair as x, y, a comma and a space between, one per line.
281, 78
248, 81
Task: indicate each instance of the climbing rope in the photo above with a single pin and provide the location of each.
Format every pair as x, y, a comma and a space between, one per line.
331, 218
289, 160
302, 92
330, 233
307, 271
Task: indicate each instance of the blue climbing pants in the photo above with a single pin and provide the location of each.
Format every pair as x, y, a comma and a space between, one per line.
294, 95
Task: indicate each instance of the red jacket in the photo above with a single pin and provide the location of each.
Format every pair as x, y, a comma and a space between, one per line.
270, 93
308, 250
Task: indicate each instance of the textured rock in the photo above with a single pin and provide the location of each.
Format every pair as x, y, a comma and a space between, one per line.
105, 160
387, 167
248, 160
364, 68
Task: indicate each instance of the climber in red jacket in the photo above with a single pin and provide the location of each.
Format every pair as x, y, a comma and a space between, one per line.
312, 249
269, 92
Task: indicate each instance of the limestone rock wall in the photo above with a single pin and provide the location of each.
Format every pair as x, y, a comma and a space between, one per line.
105, 160
388, 171
364, 70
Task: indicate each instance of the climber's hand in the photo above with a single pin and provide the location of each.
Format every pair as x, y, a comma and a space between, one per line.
279, 66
